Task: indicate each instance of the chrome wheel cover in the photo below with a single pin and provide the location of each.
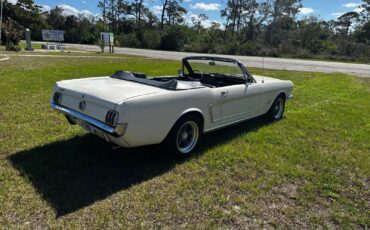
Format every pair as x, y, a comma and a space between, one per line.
187, 137
278, 108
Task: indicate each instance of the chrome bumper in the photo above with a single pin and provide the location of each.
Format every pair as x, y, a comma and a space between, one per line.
290, 96
98, 124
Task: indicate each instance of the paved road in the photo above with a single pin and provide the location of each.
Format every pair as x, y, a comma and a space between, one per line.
362, 70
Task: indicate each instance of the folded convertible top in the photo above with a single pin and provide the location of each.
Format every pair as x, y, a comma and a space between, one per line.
171, 84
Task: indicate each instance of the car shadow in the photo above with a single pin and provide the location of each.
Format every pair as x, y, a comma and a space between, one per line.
75, 173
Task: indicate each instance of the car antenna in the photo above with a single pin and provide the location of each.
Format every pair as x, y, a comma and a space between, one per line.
263, 68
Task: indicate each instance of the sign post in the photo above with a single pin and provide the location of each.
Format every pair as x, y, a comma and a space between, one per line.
111, 42
1, 15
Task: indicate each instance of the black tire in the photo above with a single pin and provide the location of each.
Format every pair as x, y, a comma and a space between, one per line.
184, 136
277, 109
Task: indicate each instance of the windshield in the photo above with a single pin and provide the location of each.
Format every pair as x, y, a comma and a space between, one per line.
215, 67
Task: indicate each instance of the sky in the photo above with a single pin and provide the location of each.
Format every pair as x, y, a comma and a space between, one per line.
324, 9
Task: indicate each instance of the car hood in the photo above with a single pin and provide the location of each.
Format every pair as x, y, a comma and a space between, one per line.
265, 79
107, 88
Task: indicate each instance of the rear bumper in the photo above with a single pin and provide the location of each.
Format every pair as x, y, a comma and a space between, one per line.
98, 124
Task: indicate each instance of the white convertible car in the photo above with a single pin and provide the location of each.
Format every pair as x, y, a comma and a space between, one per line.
132, 110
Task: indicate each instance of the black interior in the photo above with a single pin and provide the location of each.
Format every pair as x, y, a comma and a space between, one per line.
214, 80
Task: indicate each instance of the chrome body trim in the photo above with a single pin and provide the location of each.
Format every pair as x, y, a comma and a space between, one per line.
104, 127
231, 123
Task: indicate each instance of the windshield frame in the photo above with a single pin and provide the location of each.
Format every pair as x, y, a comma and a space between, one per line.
185, 65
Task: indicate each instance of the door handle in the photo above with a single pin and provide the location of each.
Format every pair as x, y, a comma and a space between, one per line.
224, 93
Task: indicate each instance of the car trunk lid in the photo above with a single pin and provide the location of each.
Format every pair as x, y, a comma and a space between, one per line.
109, 89
94, 97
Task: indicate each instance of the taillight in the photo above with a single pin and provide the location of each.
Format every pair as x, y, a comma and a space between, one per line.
111, 117
57, 98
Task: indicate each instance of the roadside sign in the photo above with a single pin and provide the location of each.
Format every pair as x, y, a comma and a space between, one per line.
53, 35
107, 38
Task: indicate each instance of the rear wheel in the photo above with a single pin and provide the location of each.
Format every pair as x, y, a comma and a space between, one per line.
276, 111
185, 136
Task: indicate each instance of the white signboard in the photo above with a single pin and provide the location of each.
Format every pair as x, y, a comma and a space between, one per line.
107, 38
53, 35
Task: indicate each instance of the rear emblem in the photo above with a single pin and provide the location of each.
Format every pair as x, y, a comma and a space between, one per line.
82, 105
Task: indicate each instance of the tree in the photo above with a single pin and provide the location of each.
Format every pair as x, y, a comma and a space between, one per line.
198, 20
249, 13
71, 26
164, 7
25, 14
174, 12
363, 33
136, 9
313, 34
232, 12
112, 15
248, 16
345, 22
365, 13
109, 9
103, 5
151, 18
174, 38
55, 18
283, 25
13, 35
285, 8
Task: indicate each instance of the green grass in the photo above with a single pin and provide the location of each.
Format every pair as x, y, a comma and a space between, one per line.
23, 45
309, 170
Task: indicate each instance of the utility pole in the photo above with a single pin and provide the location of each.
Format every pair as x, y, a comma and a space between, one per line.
1, 16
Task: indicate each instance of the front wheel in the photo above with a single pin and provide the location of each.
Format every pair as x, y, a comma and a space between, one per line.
184, 136
276, 111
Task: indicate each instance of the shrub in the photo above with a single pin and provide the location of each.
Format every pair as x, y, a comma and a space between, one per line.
151, 39
101, 45
251, 49
13, 34
130, 40
231, 48
302, 53
197, 46
219, 48
269, 51
174, 38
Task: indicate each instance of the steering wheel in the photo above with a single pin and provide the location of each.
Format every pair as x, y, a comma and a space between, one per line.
201, 74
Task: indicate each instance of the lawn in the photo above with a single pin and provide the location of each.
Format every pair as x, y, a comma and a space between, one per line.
309, 170
23, 45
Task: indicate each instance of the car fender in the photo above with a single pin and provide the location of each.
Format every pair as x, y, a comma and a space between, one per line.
189, 110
